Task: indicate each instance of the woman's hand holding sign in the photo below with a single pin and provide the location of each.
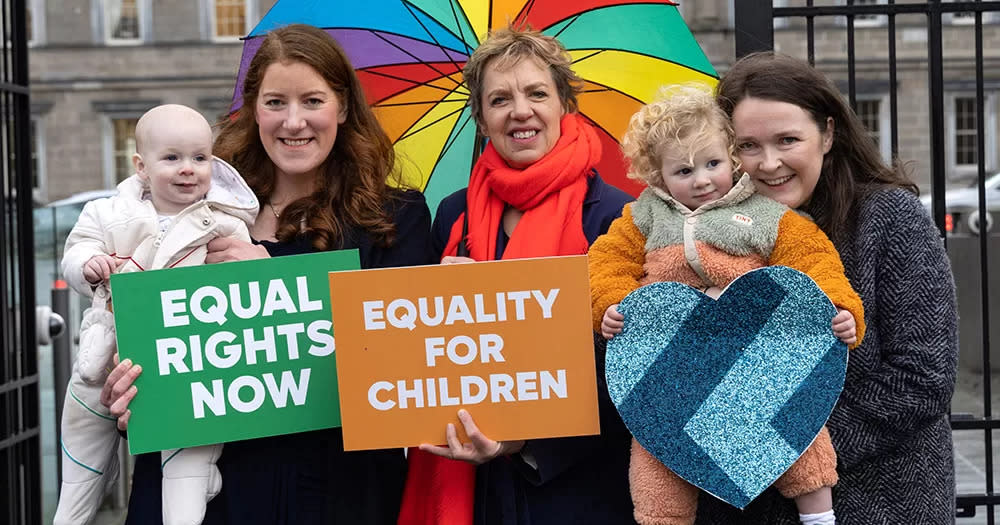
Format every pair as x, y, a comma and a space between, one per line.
480, 448
226, 249
118, 390
452, 259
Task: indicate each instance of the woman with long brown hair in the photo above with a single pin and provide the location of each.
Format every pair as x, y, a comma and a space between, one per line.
804, 147
309, 146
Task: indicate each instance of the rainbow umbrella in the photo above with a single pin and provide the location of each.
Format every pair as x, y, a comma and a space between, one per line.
409, 56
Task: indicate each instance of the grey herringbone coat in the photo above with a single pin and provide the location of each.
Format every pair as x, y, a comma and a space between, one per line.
890, 427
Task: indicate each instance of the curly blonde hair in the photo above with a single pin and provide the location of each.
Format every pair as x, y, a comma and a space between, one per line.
684, 115
510, 45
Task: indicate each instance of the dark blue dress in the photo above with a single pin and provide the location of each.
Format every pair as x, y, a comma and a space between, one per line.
579, 480
306, 478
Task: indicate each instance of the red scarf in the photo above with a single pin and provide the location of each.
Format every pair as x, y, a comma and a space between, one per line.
550, 192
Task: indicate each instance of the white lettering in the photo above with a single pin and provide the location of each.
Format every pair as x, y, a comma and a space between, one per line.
518, 298
251, 346
171, 307
433, 348
216, 312
255, 387
409, 314
171, 351
278, 298
373, 399
468, 398
546, 301
305, 304
373, 315
550, 385
279, 393
319, 333
501, 385
236, 302
526, 386
214, 400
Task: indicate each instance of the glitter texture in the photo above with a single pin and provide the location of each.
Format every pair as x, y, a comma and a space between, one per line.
728, 393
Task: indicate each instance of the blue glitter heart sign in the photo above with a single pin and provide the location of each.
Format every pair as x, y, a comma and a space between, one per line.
728, 393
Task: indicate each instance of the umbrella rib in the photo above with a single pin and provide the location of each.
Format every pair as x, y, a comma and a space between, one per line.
602, 128
458, 23
410, 8
523, 15
452, 142
597, 8
611, 89
571, 22
639, 53
444, 150
417, 103
415, 83
410, 133
414, 57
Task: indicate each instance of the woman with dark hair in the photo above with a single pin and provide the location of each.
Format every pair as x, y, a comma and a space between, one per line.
804, 147
311, 150
532, 193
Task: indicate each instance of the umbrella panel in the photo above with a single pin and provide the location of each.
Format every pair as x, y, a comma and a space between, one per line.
409, 59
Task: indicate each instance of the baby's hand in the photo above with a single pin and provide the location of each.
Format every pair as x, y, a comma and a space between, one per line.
98, 269
612, 323
844, 327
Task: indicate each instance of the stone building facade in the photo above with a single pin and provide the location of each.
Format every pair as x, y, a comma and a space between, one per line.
713, 23
96, 65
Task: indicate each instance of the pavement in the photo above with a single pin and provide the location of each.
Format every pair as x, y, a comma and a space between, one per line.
970, 455
970, 445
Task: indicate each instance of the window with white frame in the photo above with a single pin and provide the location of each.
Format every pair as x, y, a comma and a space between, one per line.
123, 21
119, 146
231, 19
966, 122
38, 158
35, 21
963, 134
872, 112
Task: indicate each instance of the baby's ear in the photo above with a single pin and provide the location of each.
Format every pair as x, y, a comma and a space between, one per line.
139, 165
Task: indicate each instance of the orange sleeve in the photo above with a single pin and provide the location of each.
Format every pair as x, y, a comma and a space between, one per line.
803, 246
615, 261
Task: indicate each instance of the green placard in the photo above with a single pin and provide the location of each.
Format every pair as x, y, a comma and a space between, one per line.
230, 351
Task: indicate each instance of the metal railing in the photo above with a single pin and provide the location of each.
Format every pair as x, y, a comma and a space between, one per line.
20, 454
755, 31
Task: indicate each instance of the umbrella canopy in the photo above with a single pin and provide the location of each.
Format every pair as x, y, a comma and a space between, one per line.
409, 56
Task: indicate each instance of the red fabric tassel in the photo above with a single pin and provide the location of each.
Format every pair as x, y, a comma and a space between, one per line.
438, 491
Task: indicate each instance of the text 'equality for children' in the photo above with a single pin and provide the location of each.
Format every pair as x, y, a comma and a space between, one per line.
484, 348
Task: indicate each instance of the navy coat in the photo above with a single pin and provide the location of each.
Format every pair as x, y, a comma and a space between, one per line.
579, 480
306, 478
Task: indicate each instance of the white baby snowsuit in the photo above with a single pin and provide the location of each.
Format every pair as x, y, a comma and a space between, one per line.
126, 226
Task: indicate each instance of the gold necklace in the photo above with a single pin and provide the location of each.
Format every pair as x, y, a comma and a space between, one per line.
274, 211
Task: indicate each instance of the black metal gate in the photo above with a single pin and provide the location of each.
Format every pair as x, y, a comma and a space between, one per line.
754, 31
20, 476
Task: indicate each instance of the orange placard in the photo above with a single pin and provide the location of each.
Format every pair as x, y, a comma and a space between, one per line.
509, 341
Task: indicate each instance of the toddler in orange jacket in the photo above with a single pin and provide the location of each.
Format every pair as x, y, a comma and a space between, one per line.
700, 223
